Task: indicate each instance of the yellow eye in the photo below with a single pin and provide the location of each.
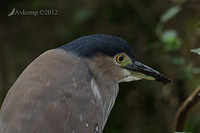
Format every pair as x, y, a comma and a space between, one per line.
120, 58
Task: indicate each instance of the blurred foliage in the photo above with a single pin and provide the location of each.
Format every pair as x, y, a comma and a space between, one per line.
161, 33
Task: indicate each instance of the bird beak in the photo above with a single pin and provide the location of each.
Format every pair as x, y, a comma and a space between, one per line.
142, 71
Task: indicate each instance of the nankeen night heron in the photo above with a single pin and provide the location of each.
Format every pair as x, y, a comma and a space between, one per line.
72, 89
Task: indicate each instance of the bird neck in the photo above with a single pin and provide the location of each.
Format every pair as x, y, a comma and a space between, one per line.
107, 94
104, 87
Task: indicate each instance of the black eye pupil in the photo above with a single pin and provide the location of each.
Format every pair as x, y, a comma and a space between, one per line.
121, 58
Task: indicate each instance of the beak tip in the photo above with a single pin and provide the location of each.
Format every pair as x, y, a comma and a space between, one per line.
147, 71
163, 79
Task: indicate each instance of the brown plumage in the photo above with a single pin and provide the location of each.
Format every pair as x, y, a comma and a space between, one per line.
48, 98
41, 99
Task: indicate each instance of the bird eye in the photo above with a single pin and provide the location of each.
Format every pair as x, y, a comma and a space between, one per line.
120, 58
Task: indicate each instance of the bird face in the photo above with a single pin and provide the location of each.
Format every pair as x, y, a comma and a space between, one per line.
103, 50
134, 70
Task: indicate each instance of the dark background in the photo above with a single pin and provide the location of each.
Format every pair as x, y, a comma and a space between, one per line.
162, 33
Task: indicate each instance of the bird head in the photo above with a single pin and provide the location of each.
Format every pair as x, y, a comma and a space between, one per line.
112, 55
134, 70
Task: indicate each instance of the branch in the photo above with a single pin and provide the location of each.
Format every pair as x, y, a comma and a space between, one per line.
185, 107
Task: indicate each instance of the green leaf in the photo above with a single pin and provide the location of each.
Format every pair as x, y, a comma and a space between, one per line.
170, 13
196, 51
169, 36
171, 40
